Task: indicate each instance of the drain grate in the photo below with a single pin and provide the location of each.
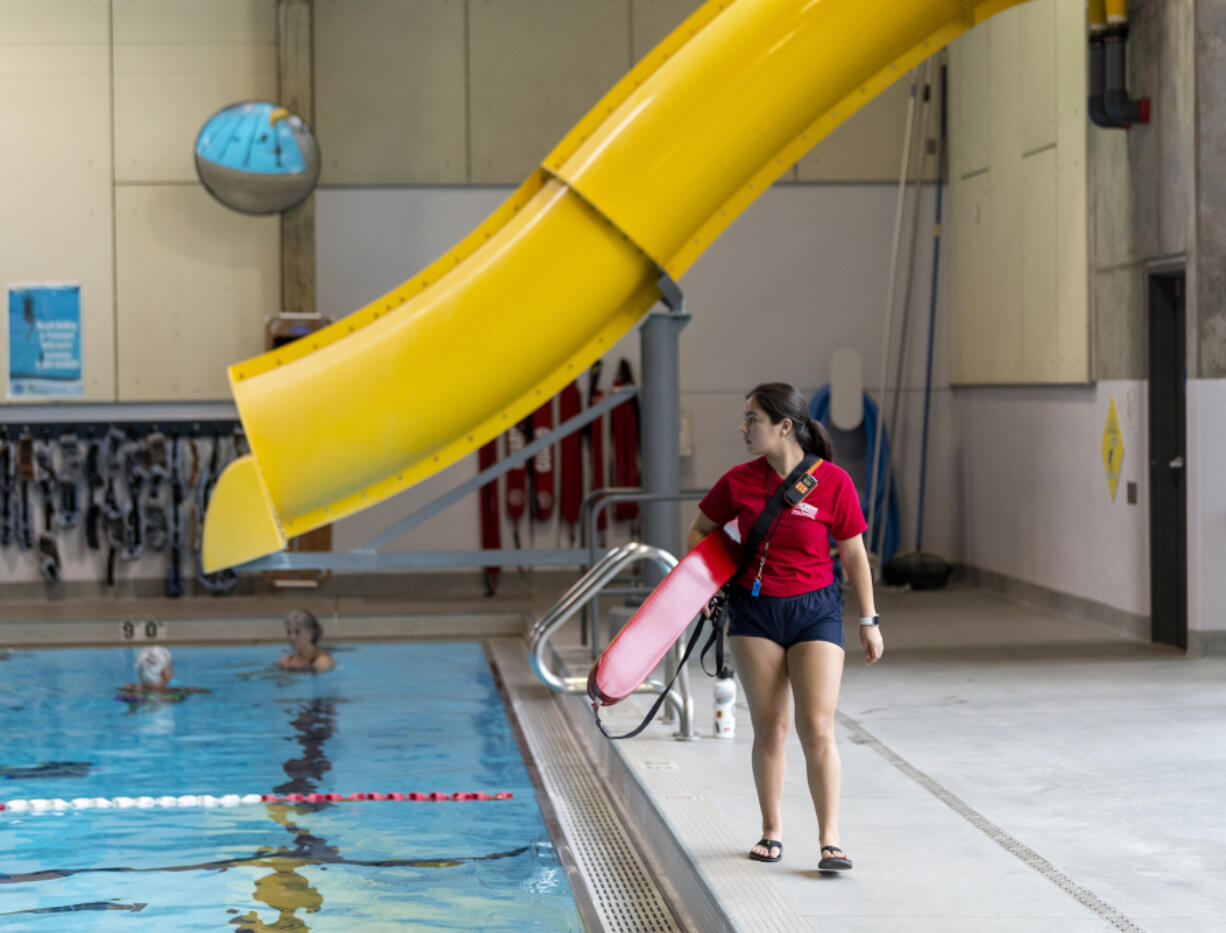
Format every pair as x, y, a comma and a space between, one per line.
623, 896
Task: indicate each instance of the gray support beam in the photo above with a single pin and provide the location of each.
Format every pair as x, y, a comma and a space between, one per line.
405, 560
660, 424
295, 81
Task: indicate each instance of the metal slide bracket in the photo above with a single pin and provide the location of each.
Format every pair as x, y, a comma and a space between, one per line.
679, 699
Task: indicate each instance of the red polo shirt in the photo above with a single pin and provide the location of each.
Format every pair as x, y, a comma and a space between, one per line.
798, 558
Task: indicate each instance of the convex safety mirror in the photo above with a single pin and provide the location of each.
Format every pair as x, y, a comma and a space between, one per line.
257, 157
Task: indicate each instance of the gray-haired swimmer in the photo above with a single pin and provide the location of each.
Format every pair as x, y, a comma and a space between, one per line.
303, 631
155, 667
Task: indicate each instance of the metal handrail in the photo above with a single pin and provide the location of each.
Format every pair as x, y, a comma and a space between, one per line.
594, 503
678, 698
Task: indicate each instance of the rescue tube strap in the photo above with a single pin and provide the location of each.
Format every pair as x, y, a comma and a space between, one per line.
655, 707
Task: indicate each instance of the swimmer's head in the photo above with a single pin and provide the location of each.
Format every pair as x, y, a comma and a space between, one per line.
155, 666
304, 622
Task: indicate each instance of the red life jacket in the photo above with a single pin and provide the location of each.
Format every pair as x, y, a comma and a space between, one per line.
491, 521
517, 478
570, 483
624, 423
542, 465
595, 435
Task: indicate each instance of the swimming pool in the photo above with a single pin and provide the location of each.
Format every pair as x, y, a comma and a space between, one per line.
404, 717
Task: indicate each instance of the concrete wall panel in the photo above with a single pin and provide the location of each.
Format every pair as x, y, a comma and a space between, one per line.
1038, 38
55, 174
969, 104
165, 93
58, 22
390, 91
536, 67
652, 20
190, 22
1040, 239
195, 282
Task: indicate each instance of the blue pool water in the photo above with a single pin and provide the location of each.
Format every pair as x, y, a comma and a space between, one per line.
391, 717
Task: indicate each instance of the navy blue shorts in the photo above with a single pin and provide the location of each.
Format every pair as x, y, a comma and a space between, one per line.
786, 620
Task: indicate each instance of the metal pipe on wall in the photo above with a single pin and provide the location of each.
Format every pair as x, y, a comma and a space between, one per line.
1109, 55
1096, 107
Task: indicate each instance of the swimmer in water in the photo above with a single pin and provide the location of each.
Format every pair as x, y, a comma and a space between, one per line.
303, 631
155, 667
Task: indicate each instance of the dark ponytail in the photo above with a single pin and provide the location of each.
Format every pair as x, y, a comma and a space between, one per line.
780, 400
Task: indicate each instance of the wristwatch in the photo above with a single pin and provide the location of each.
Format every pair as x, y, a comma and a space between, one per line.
870, 620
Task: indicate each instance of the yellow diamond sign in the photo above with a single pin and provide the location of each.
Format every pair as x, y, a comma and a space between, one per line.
1113, 448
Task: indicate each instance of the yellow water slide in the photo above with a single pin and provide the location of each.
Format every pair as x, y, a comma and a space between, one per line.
425, 375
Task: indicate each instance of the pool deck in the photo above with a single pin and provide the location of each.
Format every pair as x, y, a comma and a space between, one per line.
1004, 769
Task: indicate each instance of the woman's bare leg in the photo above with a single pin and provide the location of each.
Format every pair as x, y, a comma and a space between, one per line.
763, 668
816, 671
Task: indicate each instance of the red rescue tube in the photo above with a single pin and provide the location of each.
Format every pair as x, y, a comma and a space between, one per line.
661, 620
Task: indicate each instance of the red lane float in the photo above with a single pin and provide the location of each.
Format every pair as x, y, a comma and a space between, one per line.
230, 800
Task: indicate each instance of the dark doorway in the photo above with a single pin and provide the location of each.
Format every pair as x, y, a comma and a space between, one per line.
1168, 507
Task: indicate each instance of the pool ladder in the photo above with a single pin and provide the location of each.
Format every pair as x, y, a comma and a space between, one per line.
540, 655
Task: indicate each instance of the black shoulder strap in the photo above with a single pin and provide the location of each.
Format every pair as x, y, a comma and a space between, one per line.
770, 512
655, 707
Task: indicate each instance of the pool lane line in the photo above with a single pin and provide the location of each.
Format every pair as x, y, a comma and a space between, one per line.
265, 860
1011, 844
57, 804
72, 908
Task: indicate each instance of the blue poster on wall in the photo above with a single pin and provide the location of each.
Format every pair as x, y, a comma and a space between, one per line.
44, 341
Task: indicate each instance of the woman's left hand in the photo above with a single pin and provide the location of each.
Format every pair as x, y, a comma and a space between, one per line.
874, 645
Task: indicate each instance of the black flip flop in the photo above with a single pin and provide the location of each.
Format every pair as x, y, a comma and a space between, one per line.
830, 863
768, 844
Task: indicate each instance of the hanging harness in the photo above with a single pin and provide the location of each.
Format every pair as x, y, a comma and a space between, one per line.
93, 484
25, 471
136, 471
7, 512
223, 581
71, 462
174, 573
48, 552
790, 493
156, 522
